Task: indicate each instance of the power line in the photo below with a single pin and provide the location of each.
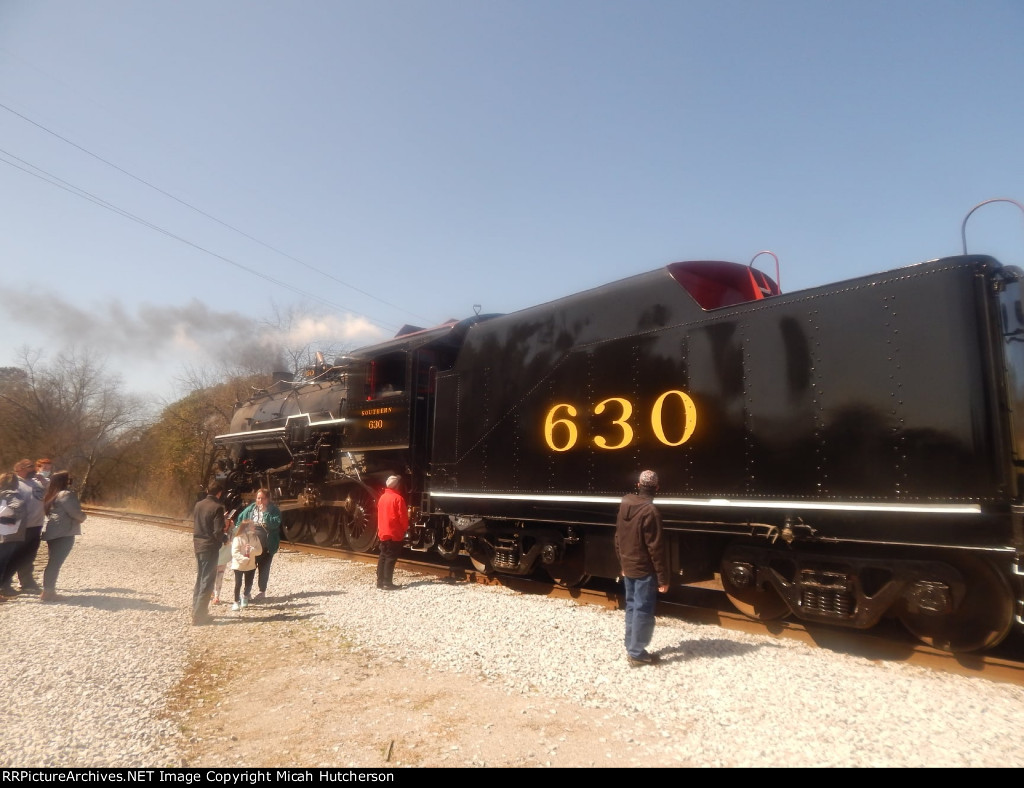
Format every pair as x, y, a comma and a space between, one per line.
53, 180
207, 215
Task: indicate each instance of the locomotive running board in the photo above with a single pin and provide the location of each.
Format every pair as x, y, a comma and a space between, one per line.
273, 432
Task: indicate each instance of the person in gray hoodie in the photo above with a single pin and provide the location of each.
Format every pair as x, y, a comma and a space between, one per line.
64, 518
12, 522
21, 562
639, 545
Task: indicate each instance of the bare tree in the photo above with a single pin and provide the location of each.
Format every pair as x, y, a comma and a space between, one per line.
19, 424
70, 410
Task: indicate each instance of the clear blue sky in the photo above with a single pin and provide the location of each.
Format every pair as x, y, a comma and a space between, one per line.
172, 173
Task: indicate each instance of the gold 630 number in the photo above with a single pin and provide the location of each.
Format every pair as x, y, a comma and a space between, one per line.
562, 433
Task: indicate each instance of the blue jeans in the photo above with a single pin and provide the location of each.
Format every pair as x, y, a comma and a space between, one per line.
206, 574
247, 576
57, 551
641, 600
23, 561
7, 552
27, 558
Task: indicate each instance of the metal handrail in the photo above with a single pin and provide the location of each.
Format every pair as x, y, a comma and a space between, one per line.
778, 279
963, 226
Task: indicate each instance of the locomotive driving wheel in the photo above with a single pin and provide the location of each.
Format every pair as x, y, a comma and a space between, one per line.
757, 601
293, 526
982, 619
323, 525
360, 521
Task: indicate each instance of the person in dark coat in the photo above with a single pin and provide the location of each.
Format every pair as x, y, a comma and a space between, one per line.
208, 534
639, 545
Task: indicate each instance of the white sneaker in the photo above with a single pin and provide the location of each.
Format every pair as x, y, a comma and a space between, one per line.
245, 601
234, 606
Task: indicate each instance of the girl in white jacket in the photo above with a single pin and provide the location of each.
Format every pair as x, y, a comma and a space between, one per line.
244, 549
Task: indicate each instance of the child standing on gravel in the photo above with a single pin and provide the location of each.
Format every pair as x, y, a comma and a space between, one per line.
244, 549
223, 559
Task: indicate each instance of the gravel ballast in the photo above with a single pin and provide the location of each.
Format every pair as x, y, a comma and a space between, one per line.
86, 682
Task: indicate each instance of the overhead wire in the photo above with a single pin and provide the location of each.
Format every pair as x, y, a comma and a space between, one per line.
60, 183
214, 219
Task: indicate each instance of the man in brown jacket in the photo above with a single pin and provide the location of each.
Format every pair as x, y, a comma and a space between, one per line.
641, 551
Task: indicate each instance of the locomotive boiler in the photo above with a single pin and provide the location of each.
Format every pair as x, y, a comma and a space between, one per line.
843, 454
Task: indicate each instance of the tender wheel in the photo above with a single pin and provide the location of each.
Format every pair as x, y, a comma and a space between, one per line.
481, 555
360, 526
568, 573
567, 578
983, 618
739, 581
483, 567
324, 527
449, 540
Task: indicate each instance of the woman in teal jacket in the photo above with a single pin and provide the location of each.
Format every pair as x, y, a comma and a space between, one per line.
264, 513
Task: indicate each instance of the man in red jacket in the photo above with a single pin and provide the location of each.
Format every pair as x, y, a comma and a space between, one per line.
392, 523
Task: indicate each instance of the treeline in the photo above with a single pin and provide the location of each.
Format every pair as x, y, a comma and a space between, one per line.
120, 449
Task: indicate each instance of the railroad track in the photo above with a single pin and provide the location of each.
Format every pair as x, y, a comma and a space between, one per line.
704, 603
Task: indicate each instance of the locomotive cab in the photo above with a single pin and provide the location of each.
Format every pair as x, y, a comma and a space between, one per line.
378, 414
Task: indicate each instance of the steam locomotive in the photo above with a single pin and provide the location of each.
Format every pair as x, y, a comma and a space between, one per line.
842, 454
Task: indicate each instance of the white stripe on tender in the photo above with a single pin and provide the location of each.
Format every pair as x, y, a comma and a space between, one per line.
924, 508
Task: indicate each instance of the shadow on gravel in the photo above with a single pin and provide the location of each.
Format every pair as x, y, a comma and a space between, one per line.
692, 649
272, 608
108, 590
111, 603
430, 581
275, 600
231, 619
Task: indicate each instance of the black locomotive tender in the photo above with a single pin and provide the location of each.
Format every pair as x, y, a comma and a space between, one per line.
841, 454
